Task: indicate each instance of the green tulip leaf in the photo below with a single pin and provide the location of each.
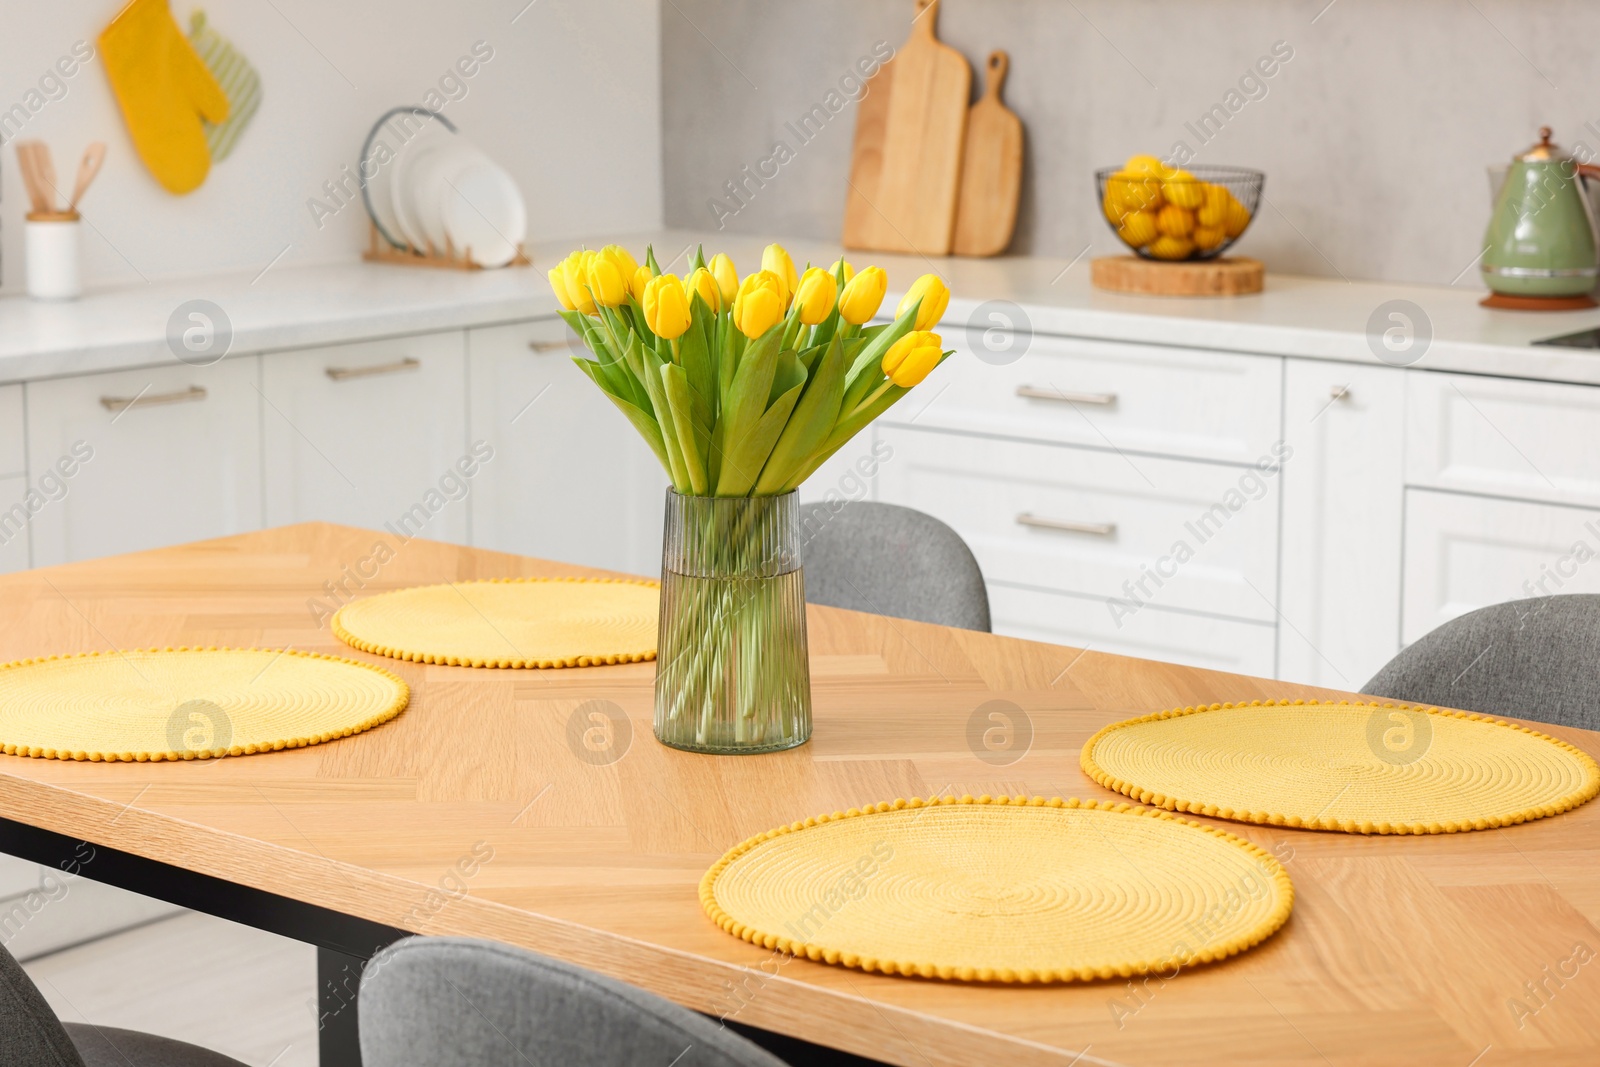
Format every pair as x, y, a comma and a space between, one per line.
813, 419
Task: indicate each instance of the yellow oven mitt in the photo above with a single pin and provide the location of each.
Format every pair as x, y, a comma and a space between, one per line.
164, 90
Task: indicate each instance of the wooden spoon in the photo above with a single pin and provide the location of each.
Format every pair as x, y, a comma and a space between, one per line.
93, 156
46, 169
30, 176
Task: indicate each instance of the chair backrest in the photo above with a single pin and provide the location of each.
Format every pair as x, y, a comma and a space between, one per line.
457, 1002
1537, 659
891, 560
30, 1033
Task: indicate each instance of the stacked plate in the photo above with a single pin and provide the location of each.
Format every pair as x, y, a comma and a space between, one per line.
440, 192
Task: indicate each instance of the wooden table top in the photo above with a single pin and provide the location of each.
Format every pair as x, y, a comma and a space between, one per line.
1463, 949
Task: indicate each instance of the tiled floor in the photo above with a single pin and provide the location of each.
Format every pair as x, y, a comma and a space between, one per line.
208, 981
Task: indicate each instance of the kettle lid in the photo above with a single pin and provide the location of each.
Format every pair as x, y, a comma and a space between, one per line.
1544, 151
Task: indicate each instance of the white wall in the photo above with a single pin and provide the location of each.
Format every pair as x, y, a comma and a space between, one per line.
569, 103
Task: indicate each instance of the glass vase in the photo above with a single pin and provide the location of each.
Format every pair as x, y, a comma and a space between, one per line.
731, 668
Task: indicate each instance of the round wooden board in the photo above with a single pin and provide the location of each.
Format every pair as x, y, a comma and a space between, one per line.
1224, 276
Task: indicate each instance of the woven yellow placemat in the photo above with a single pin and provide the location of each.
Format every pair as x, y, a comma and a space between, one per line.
1369, 768
188, 703
509, 622
1002, 889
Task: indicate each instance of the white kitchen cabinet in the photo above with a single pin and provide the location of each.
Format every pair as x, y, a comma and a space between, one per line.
13, 524
1108, 395
571, 479
157, 456
370, 434
1343, 498
1503, 437
1149, 633
13, 443
1138, 530
1467, 552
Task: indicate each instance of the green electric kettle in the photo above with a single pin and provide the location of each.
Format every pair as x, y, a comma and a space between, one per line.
1540, 245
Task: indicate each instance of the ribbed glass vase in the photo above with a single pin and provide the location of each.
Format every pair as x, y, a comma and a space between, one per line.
731, 668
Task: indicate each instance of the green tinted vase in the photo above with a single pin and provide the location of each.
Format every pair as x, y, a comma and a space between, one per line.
732, 674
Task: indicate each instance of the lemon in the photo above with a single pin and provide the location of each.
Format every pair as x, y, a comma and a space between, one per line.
1214, 212
1206, 238
1171, 248
1175, 221
1237, 218
1149, 165
1113, 208
1138, 229
1180, 188
1135, 192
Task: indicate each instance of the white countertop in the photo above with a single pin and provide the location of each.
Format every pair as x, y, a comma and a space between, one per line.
1296, 316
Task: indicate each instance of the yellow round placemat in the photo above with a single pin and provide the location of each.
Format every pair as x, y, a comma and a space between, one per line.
1002, 889
1358, 767
509, 622
188, 703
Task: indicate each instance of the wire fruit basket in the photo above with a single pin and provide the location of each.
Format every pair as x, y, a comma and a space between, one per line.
1174, 215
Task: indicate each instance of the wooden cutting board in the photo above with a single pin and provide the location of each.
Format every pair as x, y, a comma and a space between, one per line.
991, 170
866, 158
911, 207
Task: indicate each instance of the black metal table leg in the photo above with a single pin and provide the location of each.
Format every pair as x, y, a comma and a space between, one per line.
344, 943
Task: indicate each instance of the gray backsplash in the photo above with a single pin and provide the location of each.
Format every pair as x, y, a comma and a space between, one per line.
1374, 136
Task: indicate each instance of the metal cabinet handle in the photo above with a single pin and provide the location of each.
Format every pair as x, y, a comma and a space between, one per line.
548, 346
1034, 392
344, 374
1099, 529
1338, 392
123, 403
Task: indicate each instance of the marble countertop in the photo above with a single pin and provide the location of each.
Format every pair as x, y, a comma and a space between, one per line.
1314, 318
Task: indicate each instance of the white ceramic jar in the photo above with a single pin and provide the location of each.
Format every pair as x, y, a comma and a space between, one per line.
51, 252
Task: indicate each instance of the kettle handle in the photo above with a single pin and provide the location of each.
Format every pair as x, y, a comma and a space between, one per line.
1588, 170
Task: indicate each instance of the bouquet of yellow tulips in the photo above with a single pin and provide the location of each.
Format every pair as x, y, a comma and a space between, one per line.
744, 387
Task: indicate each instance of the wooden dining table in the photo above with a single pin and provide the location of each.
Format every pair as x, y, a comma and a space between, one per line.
536, 808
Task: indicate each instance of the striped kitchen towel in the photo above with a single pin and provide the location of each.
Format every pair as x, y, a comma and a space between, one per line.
239, 80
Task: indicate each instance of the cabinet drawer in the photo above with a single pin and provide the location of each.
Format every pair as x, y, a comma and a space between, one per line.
1169, 636
1105, 394
370, 434
1466, 552
1502, 436
1177, 534
143, 458
13, 453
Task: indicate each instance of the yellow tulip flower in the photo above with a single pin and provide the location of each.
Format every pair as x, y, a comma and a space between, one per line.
558, 285
759, 305
815, 296
607, 284
727, 278
862, 295
849, 271
702, 281
666, 306
640, 278
775, 259
909, 359
575, 273
935, 297
621, 257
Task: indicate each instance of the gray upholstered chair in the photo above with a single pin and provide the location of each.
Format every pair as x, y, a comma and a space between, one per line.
457, 1002
1529, 659
32, 1036
891, 560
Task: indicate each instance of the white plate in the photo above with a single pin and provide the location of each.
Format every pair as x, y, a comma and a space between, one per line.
405, 138
433, 182
484, 213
